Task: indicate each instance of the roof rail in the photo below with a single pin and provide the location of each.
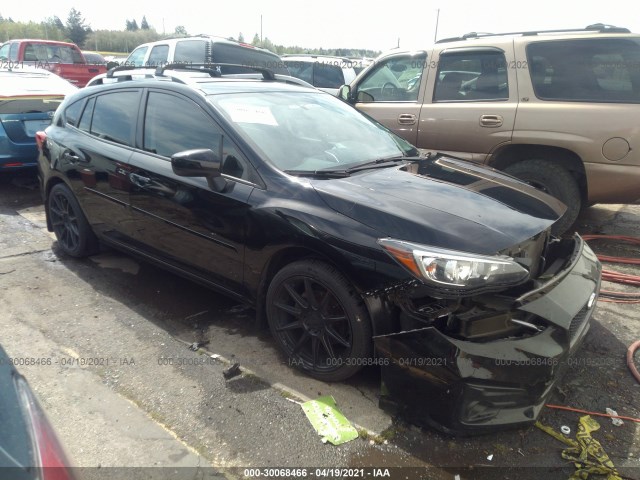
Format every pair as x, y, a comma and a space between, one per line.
596, 27
214, 69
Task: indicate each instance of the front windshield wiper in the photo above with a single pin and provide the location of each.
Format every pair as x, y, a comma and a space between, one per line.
382, 162
318, 173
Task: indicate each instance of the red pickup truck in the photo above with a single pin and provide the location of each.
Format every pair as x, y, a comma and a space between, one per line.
62, 58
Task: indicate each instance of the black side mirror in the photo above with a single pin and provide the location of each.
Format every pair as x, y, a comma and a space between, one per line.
112, 64
201, 162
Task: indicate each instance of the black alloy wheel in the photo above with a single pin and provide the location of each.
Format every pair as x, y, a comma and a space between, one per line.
72, 230
319, 320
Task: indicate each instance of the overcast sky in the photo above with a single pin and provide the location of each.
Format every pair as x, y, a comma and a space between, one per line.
331, 24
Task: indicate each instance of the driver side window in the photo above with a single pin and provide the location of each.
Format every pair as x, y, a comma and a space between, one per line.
394, 80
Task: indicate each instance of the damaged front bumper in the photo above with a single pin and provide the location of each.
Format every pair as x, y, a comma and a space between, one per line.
463, 386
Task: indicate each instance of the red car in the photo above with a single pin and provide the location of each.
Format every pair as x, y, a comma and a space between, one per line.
62, 58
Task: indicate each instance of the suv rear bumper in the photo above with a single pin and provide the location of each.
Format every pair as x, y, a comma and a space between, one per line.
465, 387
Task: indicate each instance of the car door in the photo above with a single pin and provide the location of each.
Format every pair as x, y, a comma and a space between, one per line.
472, 104
183, 220
93, 151
391, 93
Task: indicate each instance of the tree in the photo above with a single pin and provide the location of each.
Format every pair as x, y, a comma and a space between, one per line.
256, 40
76, 29
58, 23
241, 37
132, 25
144, 25
180, 30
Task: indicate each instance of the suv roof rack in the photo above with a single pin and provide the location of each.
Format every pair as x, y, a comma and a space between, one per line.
596, 27
213, 69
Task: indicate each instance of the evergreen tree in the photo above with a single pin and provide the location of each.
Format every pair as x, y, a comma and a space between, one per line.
76, 28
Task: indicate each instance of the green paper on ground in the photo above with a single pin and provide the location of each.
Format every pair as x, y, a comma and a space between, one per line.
328, 421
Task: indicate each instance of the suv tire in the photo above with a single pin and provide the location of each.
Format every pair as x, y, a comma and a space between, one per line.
554, 180
319, 321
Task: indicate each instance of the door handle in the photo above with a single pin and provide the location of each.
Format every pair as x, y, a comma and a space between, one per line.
406, 119
139, 180
491, 120
70, 157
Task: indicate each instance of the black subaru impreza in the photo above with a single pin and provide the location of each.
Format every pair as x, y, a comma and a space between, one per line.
356, 249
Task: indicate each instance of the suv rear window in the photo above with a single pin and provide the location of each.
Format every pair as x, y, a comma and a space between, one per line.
230, 53
593, 70
191, 51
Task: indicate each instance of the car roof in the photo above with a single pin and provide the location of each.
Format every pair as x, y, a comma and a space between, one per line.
39, 40
192, 75
596, 29
213, 38
29, 81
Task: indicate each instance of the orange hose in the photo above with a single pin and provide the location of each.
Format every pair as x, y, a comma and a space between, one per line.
597, 414
630, 360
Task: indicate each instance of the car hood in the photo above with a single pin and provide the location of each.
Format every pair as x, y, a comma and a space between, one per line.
443, 202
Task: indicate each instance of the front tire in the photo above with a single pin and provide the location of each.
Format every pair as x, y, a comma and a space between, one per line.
555, 180
72, 230
319, 321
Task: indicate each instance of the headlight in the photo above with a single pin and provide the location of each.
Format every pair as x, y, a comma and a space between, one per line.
452, 269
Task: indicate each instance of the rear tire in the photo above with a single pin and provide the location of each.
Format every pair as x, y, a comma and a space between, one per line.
555, 180
319, 321
71, 227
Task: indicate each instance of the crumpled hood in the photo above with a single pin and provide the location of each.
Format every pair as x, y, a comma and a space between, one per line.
443, 202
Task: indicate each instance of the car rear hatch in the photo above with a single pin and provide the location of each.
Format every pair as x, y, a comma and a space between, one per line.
20, 118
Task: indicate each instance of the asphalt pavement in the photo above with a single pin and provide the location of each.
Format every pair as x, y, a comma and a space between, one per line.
107, 343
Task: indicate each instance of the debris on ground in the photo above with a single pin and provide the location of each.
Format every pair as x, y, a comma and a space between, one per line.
232, 371
328, 421
585, 452
616, 421
196, 345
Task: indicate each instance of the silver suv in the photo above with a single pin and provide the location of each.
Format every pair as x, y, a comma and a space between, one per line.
558, 109
203, 49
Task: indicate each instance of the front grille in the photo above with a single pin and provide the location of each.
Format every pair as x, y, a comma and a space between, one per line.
577, 323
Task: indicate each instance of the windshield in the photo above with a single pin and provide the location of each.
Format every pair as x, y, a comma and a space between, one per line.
307, 131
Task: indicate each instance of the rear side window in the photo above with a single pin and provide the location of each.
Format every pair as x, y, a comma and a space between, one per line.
158, 55
471, 75
85, 121
190, 51
588, 70
326, 75
302, 70
72, 113
115, 115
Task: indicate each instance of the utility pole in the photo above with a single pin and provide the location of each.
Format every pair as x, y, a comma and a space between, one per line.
260, 29
435, 35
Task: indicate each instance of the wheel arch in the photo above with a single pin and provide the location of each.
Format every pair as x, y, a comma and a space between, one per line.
512, 154
292, 254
